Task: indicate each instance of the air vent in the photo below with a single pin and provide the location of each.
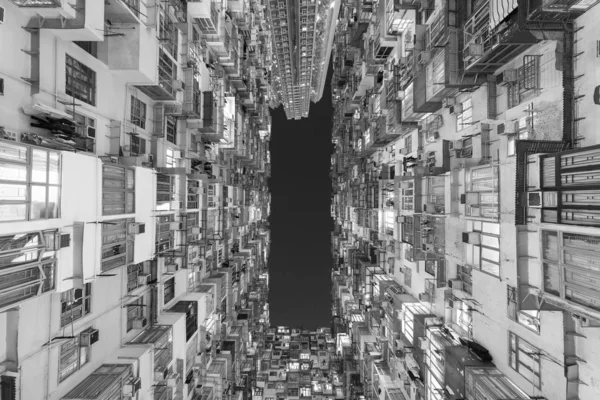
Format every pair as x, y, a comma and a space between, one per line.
91, 131
65, 241
1, 17
463, 199
1, 79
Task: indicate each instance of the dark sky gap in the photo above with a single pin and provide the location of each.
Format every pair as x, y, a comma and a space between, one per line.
300, 256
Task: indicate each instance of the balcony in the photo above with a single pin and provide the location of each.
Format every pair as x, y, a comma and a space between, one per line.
82, 20
206, 14
191, 94
485, 49
104, 382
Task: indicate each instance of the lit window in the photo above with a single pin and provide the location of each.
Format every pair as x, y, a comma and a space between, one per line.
29, 183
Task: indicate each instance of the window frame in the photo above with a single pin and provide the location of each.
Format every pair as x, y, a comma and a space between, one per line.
83, 303
134, 310
170, 286
111, 192
116, 234
74, 365
138, 112
564, 264
80, 74
30, 178
514, 358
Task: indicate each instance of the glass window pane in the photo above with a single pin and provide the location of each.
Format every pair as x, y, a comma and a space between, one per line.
54, 169
38, 202
490, 254
13, 212
53, 202
490, 241
13, 172
13, 152
551, 279
39, 167
12, 192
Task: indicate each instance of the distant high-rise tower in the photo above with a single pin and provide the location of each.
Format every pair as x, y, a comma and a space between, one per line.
303, 32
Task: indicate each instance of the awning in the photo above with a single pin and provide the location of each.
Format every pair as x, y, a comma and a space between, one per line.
500, 9
39, 109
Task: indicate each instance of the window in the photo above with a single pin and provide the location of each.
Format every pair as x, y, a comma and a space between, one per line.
133, 272
485, 255
171, 129
81, 81
165, 190
171, 160
135, 311
571, 267
72, 358
527, 83
138, 145
117, 244
512, 307
408, 198
525, 359
511, 148
408, 143
75, 303
465, 274
118, 190
464, 119
29, 183
84, 125
138, 112
169, 290
26, 263
407, 277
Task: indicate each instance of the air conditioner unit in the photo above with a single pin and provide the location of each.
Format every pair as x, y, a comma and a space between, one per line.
90, 131
455, 284
143, 279
195, 230
139, 323
534, 199
175, 226
400, 219
178, 85
471, 237
428, 247
404, 151
424, 343
424, 297
424, 57
400, 95
195, 190
172, 268
131, 388
399, 314
475, 50
135, 228
89, 337
507, 77
507, 128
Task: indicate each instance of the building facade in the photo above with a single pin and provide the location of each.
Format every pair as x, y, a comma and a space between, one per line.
464, 179
134, 162
302, 37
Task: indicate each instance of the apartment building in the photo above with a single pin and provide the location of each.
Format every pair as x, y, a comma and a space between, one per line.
302, 38
464, 185
133, 203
